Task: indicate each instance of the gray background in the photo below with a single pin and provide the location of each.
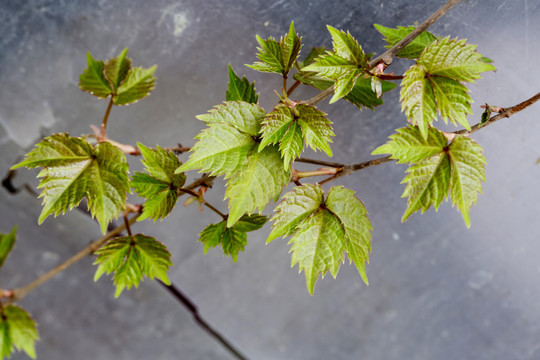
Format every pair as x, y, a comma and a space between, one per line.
437, 289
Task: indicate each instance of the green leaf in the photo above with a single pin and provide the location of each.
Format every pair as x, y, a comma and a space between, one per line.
6, 244
467, 174
116, 70
454, 59
240, 89
137, 85
262, 179
17, 331
415, 47
361, 95
323, 230
292, 127
409, 146
132, 257
278, 57
312, 56
418, 98
161, 184
93, 80
427, 184
233, 239
290, 46
346, 46
74, 169
243, 116
269, 55
453, 100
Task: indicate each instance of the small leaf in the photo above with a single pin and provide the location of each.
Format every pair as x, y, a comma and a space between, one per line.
137, 85
240, 89
409, 146
74, 169
346, 46
93, 81
17, 331
414, 48
243, 116
233, 239
323, 230
6, 244
486, 115
116, 70
454, 59
453, 100
161, 184
312, 56
290, 46
427, 184
467, 174
269, 55
131, 257
262, 179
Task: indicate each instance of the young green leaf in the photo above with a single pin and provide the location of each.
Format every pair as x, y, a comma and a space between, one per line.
243, 116
312, 56
344, 65
137, 85
278, 57
93, 80
262, 179
6, 244
132, 257
437, 168
160, 185
17, 331
414, 48
292, 127
454, 59
74, 169
116, 70
453, 100
409, 146
232, 239
240, 89
323, 230
467, 174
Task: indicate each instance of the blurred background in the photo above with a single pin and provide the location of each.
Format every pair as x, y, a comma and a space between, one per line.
437, 289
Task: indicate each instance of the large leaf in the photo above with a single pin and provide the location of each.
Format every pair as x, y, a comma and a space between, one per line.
232, 239
262, 179
453, 100
6, 244
240, 89
454, 59
74, 169
160, 185
414, 48
323, 230
278, 57
131, 257
467, 174
292, 127
17, 331
409, 146
437, 168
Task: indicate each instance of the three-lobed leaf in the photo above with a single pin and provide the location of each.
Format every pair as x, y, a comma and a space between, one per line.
437, 169
6, 244
17, 332
131, 258
323, 230
291, 128
232, 239
160, 184
240, 89
74, 169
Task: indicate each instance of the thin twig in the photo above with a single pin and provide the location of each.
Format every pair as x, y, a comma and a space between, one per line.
505, 113
192, 308
389, 55
103, 133
320, 162
203, 201
293, 87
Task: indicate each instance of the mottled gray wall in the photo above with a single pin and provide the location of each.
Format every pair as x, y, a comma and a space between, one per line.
437, 290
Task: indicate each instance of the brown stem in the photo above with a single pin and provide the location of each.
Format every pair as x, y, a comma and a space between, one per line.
389, 55
505, 113
202, 200
293, 87
320, 162
103, 133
